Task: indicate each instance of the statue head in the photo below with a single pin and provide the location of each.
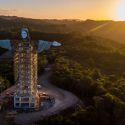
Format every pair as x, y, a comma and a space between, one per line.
24, 33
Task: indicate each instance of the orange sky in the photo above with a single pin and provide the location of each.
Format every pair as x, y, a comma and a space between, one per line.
65, 9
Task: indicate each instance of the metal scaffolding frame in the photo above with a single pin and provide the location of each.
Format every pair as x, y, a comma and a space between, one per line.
25, 70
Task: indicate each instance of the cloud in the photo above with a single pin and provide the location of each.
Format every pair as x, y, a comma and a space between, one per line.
7, 11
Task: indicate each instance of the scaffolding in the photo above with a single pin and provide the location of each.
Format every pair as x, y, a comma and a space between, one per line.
25, 72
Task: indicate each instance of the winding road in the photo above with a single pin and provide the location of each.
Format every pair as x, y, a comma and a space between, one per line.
63, 98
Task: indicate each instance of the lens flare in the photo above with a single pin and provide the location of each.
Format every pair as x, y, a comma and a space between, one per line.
120, 11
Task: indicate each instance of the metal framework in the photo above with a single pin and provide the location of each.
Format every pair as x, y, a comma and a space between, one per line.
25, 68
25, 71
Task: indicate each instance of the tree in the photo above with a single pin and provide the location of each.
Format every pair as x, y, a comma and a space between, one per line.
4, 83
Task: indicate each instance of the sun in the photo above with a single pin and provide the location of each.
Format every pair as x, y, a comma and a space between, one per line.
120, 11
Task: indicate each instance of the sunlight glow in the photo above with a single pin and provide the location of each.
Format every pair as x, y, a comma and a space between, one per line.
120, 11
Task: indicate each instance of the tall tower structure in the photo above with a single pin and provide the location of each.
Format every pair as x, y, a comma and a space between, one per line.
25, 71
25, 68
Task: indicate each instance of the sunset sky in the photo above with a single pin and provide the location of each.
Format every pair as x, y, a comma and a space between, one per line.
65, 9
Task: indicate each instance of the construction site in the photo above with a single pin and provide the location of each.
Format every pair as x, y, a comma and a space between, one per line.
31, 97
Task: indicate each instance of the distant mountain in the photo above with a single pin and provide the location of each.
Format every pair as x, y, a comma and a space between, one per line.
114, 30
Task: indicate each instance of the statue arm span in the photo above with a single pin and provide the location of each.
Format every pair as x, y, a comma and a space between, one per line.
45, 45
5, 44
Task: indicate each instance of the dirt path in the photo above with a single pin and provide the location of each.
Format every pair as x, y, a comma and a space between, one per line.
63, 100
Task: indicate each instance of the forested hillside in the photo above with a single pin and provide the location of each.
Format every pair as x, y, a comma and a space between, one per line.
114, 30
93, 69
87, 64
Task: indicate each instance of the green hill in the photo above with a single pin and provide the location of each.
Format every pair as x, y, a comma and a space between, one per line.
95, 52
111, 30
90, 63
114, 30
92, 68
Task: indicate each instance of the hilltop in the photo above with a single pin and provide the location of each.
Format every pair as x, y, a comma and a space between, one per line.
90, 66
114, 30
93, 52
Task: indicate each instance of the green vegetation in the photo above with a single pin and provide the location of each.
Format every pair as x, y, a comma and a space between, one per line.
6, 70
71, 76
92, 52
93, 69
86, 64
108, 29
42, 62
6, 75
105, 111
4, 83
100, 104
2, 51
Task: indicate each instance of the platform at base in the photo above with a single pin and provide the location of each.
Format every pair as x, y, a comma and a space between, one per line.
29, 102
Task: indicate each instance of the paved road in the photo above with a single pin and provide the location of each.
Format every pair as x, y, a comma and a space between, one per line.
63, 100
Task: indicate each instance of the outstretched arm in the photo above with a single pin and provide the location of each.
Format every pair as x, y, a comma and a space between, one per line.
45, 45
5, 44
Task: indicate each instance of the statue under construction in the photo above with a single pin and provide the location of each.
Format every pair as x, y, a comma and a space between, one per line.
25, 68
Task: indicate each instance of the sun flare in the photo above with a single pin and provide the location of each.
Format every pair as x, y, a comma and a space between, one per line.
120, 11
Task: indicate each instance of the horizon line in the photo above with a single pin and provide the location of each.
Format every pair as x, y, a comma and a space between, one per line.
75, 19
